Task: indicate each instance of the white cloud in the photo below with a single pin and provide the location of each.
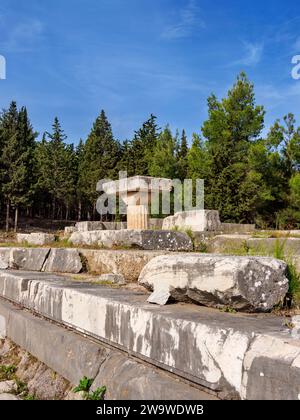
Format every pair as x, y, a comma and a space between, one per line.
252, 56
185, 23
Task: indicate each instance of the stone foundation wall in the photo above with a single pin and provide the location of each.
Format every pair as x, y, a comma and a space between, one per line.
236, 356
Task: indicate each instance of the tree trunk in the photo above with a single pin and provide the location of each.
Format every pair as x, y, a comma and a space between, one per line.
7, 216
53, 210
67, 212
16, 218
79, 210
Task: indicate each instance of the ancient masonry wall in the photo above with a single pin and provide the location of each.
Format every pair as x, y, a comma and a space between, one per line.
233, 355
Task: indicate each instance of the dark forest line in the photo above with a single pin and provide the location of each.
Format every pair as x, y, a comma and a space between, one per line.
248, 178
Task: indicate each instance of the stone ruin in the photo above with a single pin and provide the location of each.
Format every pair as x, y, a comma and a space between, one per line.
136, 194
233, 355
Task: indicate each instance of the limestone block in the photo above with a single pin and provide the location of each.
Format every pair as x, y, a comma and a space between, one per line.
134, 184
63, 261
160, 297
36, 238
243, 283
113, 278
197, 220
4, 258
128, 263
89, 226
70, 229
28, 258
248, 357
143, 239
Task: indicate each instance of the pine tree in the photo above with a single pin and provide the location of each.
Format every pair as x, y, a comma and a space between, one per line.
234, 123
80, 189
182, 157
56, 169
163, 162
283, 143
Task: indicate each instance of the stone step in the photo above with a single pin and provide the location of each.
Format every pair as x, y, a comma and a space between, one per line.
243, 356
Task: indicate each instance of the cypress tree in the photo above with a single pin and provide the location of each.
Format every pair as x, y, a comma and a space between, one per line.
100, 158
18, 141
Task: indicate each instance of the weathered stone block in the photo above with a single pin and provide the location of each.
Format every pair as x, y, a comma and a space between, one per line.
89, 226
70, 229
238, 228
143, 239
36, 238
197, 220
113, 278
28, 258
63, 261
243, 283
128, 263
240, 356
4, 258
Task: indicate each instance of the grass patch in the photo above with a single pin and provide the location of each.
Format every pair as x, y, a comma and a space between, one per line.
7, 373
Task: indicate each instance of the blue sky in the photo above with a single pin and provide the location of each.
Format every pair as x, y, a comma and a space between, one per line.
71, 58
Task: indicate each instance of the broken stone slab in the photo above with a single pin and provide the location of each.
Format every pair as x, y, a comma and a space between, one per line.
28, 258
159, 297
112, 278
196, 220
142, 239
36, 238
63, 261
242, 283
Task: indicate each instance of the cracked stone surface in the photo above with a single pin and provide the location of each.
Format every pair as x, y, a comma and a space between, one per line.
228, 353
142, 239
242, 283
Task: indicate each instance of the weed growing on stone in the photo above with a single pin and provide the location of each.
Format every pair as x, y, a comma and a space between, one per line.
97, 395
85, 386
228, 310
201, 247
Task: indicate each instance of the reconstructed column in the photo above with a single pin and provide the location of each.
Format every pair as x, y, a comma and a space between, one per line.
137, 217
136, 193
